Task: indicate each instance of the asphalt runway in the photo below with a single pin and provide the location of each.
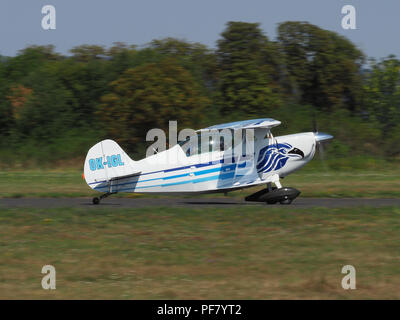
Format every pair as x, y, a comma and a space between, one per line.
188, 202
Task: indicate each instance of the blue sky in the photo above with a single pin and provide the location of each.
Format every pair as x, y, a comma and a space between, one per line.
138, 22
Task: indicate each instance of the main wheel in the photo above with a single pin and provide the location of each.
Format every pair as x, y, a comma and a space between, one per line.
96, 200
286, 201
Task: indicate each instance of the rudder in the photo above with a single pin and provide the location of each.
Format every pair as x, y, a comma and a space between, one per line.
106, 161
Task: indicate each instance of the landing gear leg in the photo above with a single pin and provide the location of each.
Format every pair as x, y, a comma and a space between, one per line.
275, 180
286, 199
96, 200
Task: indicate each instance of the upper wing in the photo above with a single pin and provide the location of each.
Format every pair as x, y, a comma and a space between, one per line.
265, 123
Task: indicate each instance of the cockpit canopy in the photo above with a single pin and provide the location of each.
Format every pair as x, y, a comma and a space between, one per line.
221, 137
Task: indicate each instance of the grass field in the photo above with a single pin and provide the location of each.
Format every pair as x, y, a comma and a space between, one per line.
178, 253
35, 183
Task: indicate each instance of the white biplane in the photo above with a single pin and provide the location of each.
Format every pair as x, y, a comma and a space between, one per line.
194, 167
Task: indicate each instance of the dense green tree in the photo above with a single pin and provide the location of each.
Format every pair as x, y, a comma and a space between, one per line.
12, 72
28, 60
88, 52
86, 81
323, 67
382, 99
120, 58
149, 97
200, 61
6, 119
195, 57
248, 64
48, 107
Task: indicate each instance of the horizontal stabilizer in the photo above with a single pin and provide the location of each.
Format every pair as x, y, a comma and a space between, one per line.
136, 174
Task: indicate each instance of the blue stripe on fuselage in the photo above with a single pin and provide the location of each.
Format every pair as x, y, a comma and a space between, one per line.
223, 169
216, 177
200, 165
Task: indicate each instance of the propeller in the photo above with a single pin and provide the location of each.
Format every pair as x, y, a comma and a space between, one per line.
320, 137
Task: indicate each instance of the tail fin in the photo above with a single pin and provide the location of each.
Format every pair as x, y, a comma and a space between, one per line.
107, 161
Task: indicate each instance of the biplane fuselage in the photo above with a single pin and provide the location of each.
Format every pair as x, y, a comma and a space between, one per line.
109, 169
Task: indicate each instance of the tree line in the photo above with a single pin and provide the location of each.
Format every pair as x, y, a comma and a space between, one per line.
54, 107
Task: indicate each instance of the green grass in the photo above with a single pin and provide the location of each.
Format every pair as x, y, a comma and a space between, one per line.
312, 183
180, 253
